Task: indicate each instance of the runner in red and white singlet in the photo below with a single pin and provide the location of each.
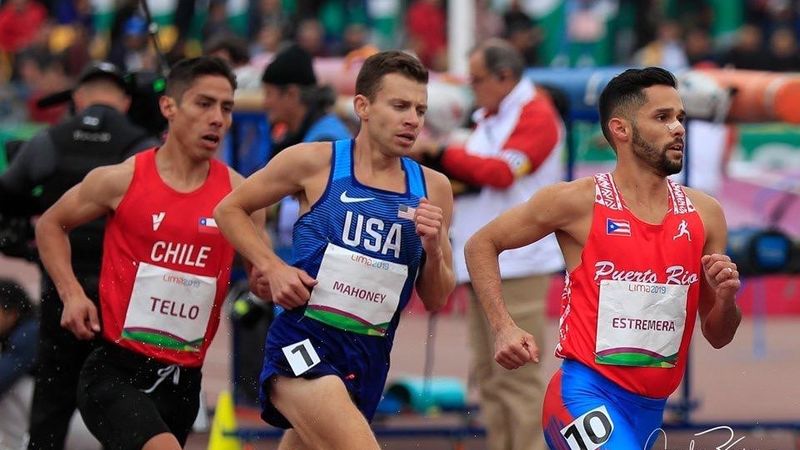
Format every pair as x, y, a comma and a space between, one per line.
644, 259
166, 306
164, 272
624, 310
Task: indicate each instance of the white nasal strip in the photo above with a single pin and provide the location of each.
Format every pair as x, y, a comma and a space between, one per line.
301, 356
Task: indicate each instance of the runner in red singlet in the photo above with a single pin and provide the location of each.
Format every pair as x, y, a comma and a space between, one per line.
165, 267
644, 257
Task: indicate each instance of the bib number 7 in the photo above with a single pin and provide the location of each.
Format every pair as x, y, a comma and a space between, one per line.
589, 431
301, 356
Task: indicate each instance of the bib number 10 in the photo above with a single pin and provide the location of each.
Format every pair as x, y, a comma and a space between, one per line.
589, 431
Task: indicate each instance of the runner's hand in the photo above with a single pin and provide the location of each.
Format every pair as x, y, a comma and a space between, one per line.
722, 275
428, 220
259, 285
514, 347
80, 317
289, 286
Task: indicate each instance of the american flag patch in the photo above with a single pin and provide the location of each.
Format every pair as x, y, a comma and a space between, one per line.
406, 212
618, 227
207, 225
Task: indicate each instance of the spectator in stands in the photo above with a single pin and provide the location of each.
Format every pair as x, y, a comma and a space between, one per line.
19, 22
310, 37
515, 150
43, 74
233, 50
293, 99
783, 51
748, 52
131, 54
265, 13
665, 51
699, 48
268, 41
426, 25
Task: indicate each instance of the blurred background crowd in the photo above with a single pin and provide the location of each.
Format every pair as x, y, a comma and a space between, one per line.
44, 44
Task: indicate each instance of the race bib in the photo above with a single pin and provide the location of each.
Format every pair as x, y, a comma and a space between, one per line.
640, 324
169, 308
355, 292
589, 431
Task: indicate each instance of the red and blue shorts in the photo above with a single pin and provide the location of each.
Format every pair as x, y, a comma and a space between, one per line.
585, 411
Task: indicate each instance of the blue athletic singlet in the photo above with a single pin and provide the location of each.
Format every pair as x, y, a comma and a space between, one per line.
361, 246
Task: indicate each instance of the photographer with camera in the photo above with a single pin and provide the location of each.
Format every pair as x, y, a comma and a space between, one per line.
56, 159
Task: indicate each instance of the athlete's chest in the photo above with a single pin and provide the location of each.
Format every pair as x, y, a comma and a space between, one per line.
623, 248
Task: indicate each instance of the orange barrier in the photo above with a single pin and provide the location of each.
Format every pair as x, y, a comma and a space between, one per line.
760, 96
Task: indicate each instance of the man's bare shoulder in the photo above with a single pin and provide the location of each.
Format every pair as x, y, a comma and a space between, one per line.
708, 207
308, 156
579, 192
702, 201
115, 176
435, 178
106, 184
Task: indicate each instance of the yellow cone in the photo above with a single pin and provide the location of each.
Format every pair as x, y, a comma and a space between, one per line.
224, 421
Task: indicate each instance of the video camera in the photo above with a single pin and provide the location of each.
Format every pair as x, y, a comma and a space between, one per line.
144, 88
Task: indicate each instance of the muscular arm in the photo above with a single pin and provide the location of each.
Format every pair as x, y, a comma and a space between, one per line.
98, 194
559, 208
258, 218
285, 175
436, 279
719, 314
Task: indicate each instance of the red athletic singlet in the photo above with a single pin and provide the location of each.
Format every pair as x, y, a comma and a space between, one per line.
629, 308
166, 266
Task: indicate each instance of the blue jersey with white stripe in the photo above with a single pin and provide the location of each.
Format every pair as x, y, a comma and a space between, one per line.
362, 219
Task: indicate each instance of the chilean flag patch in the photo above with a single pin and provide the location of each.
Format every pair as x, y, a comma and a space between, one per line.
618, 227
207, 225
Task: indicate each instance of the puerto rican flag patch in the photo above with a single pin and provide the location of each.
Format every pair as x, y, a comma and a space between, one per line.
207, 225
618, 227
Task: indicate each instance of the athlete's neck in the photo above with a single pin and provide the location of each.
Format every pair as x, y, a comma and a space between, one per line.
377, 168
179, 170
643, 192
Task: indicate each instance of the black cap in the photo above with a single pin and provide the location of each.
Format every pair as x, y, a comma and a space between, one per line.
93, 71
290, 66
103, 69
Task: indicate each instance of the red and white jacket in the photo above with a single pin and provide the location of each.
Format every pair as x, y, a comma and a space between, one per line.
512, 153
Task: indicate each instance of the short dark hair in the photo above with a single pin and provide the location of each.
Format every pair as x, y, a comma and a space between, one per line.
184, 73
384, 63
500, 55
14, 298
624, 93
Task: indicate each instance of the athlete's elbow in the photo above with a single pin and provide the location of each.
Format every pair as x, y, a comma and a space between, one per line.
719, 339
436, 297
46, 225
436, 304
222, 211
476, 247
718, 343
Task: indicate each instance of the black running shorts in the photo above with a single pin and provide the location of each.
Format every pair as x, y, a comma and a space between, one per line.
126, 398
